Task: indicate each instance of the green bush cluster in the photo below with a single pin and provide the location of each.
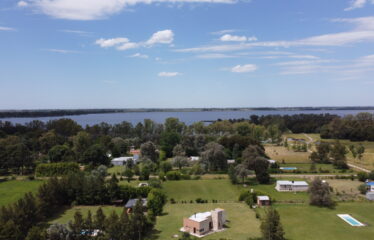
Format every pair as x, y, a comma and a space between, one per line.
56, 169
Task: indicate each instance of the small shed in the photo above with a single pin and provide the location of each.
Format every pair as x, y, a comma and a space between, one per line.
370, 196
263, 200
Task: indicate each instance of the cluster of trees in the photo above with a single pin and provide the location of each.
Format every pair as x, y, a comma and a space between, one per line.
56, 169
330, 153
320, 194
356, 128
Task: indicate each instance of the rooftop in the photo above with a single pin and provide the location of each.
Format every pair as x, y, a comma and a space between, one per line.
294, 183
263, 198
132, 202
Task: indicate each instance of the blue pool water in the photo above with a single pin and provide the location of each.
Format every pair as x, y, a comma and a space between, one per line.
288, 168
352, 221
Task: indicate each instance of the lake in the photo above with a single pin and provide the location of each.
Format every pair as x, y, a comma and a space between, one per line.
186, 117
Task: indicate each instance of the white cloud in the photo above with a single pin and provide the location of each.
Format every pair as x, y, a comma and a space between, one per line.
139, 55
356, 4
362, 32
63, 51
304, 56
214, 56
78, 32
225, 31
22, 4
169, 74
164, 37
105, 43
233, 38
122, 44
244, 68
98, 9
7, 29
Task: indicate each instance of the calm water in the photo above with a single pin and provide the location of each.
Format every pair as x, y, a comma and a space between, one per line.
186, 117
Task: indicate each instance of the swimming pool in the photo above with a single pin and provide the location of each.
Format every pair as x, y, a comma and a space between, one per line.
350, 220
288, 168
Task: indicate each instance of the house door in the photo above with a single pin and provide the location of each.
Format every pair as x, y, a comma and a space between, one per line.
210, 225
194, 230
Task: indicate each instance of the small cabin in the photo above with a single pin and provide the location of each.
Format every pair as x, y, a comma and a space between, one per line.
263, 201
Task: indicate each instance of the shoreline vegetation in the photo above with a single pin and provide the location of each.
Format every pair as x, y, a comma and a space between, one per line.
73, 112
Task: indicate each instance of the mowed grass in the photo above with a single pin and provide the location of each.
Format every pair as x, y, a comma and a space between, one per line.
11, 191
242, 223
311, 223
281, 154
187, 190
67, 215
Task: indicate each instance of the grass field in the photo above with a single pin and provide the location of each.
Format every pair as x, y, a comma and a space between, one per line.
281, 154
310, 223
68, 214
11, 191
242, 221
221, 190
118, 170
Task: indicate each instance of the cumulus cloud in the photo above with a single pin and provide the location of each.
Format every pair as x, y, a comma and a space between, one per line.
98, 9
168, 74
139, 55
244, 68
163, 37
22, 4
122, 43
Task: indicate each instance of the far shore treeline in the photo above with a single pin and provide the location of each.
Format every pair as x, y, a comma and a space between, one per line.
74, 112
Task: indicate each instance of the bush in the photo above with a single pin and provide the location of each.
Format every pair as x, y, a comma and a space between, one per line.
56, 169
362, 176
173, 175
362, 188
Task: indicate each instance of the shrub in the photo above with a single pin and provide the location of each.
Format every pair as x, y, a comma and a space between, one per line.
362, 176
173, 175
362, 188
56, 169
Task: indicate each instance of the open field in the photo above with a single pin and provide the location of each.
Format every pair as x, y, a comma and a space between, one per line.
310, 223
11, 191
242, 221
118, 170
281, 154
187, 190
68, 214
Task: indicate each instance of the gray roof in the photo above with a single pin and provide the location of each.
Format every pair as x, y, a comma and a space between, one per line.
132, 202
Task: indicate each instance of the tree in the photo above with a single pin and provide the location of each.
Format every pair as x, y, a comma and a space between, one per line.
58, 232
338, 155
242, 172
60, 153
178, 150
180, 161
145, 172
271, 226
99, 219
148, 150
353, 150
139, 221
250, 154
168, 141
214, 157
261, 170
95, 155
112, 226
128, 173
81, 142
113, 188
155, 202
360, 151
322, 154
77, 225
36, 233
320, 194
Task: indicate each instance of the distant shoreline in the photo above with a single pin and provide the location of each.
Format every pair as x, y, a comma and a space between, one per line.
74, 112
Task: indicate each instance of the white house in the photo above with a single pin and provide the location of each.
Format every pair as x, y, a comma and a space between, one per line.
370, 186
122, 160
271, 161
292, 186
194, 158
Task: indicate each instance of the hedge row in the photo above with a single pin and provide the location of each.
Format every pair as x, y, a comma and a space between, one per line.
56, 169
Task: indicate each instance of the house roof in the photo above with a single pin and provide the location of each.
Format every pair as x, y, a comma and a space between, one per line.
132, 202
294, 183
370, 183
263, 198
199, 217
122, 159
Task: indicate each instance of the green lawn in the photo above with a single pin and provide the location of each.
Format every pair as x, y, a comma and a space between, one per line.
188, 190
11, 191
118, 170
310, 223
68, 214
242, 221
281, 154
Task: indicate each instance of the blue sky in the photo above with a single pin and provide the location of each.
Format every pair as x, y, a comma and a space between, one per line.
185, 53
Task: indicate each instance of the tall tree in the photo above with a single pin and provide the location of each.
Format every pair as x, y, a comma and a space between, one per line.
271, 226
320, 194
